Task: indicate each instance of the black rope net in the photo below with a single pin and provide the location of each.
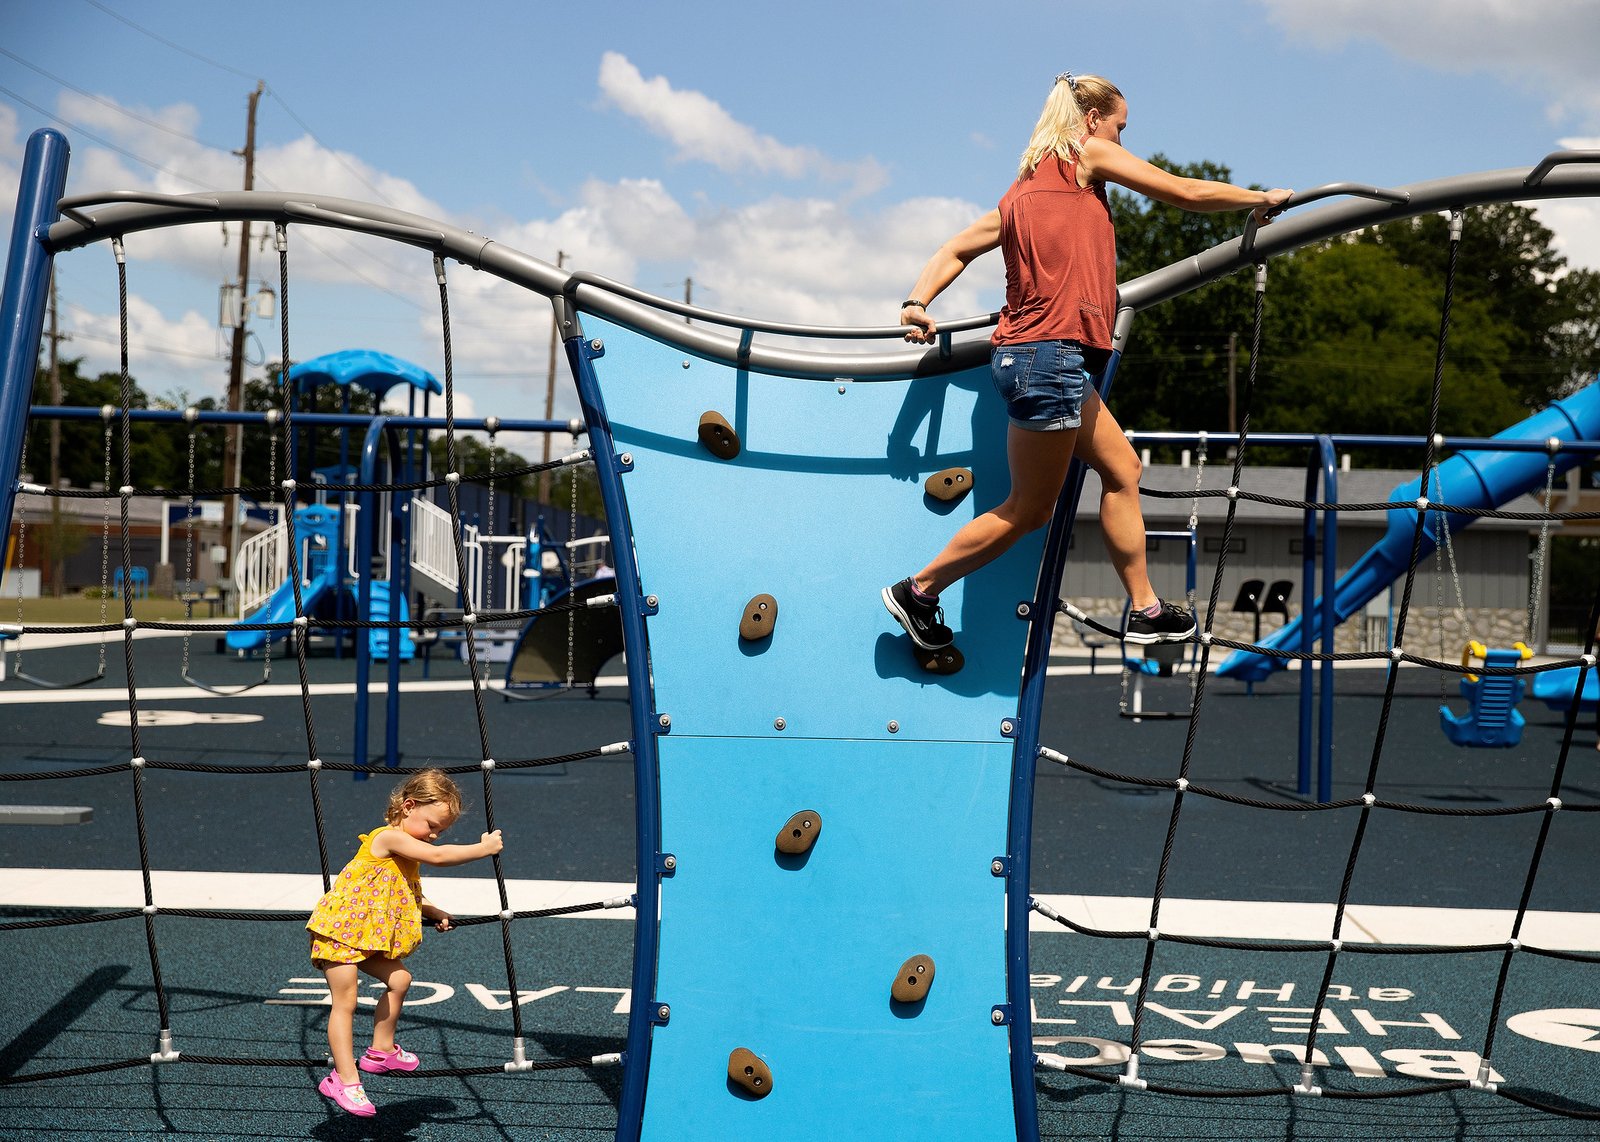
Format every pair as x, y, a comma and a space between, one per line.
1180, 786
298, 632
1370, 801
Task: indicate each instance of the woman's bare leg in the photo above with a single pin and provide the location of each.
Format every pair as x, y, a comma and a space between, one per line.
1038, 462
1102, 446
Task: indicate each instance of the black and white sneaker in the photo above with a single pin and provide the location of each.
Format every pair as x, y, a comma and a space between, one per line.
1170, 624
924, 622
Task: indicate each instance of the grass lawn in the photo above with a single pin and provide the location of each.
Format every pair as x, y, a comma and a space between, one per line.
76, 610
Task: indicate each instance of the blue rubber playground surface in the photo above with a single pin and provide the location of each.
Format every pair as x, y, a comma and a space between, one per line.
1217, 1019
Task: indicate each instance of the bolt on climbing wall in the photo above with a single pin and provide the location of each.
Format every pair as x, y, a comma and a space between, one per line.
831, 929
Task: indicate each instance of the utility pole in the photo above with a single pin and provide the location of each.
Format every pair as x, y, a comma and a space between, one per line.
550, 391
58, 559
232, 453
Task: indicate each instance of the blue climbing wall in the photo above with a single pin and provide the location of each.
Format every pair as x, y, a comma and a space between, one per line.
793, 958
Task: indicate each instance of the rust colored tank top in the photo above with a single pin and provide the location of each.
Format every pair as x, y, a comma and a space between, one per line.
1060, 250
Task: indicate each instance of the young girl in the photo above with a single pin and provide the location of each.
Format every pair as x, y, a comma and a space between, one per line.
371, 919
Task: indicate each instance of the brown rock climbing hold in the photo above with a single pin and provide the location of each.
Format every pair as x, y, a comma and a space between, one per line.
799, 832
951, 484
945, 660
760, 615
749, 1073
718, 435
912, 983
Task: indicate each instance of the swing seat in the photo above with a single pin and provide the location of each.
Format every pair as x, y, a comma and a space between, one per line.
1492, 720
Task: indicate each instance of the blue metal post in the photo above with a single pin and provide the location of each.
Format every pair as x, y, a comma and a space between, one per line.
630, 604
1330, 575
365, 541
23, 299
1030, 709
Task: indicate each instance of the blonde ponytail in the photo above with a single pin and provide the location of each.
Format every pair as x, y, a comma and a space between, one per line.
1062, 124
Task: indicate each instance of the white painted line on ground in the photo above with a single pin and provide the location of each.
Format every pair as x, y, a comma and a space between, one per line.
378, 685
1287, 920
478, 896
280, 891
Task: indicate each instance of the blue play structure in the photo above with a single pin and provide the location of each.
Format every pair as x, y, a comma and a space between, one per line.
315, 534
1468, 479
1491, 719
1557, 689
831, 713
823, 815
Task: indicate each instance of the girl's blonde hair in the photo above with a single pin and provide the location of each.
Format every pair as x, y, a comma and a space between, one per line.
1062, 123
429, 787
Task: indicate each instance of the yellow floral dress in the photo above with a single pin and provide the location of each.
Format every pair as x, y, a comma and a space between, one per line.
373, 909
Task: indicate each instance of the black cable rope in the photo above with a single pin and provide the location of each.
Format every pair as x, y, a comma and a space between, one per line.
267, 491
1392, 674
137, 764
217, 1060
452, 482
1557, 779
300, 630
1237, 492
1197, 696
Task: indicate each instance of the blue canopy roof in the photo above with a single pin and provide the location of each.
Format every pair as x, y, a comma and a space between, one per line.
365, 367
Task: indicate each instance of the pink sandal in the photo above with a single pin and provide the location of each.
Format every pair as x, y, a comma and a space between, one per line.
381, 1062
349, 1096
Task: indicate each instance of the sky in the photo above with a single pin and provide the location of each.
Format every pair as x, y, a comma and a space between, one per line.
788, 162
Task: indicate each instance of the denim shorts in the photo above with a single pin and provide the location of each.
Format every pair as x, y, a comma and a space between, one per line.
1042, 383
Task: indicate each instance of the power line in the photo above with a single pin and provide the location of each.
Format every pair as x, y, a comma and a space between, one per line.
174, 46
108, 144
104, 102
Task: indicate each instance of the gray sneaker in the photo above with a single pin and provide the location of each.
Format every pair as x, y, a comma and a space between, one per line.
1170, 624
924, 622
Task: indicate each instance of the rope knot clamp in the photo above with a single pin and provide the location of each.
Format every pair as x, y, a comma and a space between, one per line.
1481, 1081
616, 747
1554, 803
149, 909
1513, 945
1336, 946
1422, 503
519, 1057
1588, 660
1369, 800
1305, 1085
1153, 935
1233, 491
164, 1052
288, 486
129, 624
1182, 784
125, 490
1397, 653
314, 763
136, 762
301, 622
452, 478
1130, 1077
487, 763
1205, 638
507, 915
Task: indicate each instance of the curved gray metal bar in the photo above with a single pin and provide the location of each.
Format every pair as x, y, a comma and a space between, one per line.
733, 340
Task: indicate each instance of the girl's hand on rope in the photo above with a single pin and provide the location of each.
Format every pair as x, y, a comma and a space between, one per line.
442, 920
921, 329
491, 843
1264, 213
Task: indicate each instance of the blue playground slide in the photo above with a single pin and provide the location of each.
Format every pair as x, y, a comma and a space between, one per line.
1468, 479
320, 591
1556, 688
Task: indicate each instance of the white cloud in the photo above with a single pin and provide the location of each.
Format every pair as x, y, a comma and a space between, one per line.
702, 130
1543, 46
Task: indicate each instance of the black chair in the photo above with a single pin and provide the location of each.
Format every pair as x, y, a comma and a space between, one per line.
1248, 601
